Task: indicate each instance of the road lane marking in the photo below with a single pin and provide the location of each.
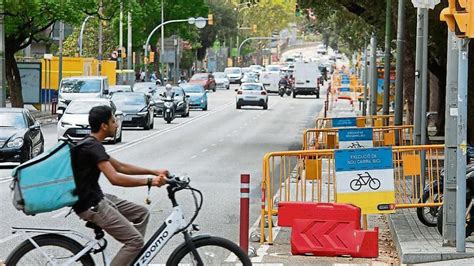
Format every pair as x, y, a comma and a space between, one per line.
194, 156
221, 140
204, 150
213, 144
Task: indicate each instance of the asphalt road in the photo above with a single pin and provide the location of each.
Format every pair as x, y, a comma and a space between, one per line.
213, 148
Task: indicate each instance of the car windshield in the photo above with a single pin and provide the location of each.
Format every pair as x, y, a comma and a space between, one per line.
199, 77
80, 86
123, 100
272, 68
178, 92
16, 120
251, 87
124, 88
143, 87
193, 88
256, 67
232, 70
219, 75
82, 107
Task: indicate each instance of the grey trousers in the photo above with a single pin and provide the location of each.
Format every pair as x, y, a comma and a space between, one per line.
116, 216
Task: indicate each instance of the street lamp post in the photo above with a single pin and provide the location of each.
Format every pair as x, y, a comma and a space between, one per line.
81, 34
255, 38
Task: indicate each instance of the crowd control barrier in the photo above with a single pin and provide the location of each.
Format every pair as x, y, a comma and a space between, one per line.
360, 121
310, 176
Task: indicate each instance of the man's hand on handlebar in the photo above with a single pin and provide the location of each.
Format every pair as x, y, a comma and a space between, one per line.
159, 180
164, 172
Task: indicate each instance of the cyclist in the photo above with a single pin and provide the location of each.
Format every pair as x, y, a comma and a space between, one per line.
123, 220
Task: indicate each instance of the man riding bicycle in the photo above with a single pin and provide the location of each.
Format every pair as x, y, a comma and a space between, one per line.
123, 220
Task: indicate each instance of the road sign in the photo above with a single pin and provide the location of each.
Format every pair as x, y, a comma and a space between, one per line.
364, 177
355, 138
344, 122
345, 89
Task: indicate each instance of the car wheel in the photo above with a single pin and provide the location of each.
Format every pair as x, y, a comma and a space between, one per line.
265, 106
238, 106
28, 155
205, 108
119, 139
152, 124
294, 94
214, 89
147, 124
228, 87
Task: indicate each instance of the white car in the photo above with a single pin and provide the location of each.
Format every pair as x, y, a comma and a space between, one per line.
253, 94
221, 80
257, 69
74, 123
234, 74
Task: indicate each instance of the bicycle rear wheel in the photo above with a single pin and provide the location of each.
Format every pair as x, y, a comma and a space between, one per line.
212, 251
58, 248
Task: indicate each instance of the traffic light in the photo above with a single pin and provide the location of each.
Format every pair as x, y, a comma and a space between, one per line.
124, 54
459, 16
297, 10
210, 20
254, 28
152, 57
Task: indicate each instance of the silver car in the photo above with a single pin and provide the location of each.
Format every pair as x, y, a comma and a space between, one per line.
253, 94
222, 82
74, 123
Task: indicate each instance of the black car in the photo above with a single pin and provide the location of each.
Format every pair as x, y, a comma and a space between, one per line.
20, 135
136, 107
180, 99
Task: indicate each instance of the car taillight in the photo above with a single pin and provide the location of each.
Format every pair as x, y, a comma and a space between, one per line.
239, 92
263, 93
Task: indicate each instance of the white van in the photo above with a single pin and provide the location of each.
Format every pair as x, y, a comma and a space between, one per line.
270, 78
82, 87
307, 77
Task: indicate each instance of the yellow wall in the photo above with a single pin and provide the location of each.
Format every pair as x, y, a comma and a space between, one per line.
74, 66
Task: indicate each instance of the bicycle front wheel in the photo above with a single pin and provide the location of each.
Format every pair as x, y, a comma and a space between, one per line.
211, 251
59, 249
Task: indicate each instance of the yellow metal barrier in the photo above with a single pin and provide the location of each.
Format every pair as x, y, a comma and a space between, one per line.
327, 138
309, 176
362, 121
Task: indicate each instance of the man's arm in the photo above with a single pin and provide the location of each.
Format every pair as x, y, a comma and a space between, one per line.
130, 169
123, 180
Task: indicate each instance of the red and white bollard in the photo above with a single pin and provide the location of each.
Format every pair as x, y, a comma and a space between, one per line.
244, 212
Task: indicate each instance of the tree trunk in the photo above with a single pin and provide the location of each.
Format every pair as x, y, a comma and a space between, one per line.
13, 80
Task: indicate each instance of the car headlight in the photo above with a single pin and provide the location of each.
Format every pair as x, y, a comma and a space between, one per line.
142, 113
16, 143
167, 104
202, 100
65, 124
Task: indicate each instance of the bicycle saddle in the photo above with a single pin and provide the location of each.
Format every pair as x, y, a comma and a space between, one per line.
97, 230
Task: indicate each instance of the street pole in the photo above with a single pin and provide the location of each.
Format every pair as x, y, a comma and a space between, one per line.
366, 80
421, 13
254, 38
388, 40
99, 57
60, 66
162, 53
120, 60
3, 86
461, 147
373, 85
129, 48
400, 58
81, 34
424, 76
450, 164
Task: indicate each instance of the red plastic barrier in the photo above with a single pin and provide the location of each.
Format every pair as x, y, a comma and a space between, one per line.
327, 229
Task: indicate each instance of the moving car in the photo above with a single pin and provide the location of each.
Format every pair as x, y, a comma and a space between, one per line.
197, 95
74, 124
250, 77
221, 80
270, 78
149, 88
20, 135
251, 94
81, 87
307, 77
137, 109
257, 69
120, 88
234, 74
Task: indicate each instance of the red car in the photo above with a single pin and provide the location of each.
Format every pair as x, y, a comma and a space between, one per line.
204, 79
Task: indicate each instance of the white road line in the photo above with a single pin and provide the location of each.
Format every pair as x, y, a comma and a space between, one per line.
221, 140
8, 238
213, 144
204, 150
194, 156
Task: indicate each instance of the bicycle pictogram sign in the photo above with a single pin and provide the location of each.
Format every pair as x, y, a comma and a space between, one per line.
364, 180
355, 145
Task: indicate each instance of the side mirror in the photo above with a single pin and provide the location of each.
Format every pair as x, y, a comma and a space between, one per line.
118, 113
152, 103
236, 89
35, 127
187, 96
60, 113
106, 92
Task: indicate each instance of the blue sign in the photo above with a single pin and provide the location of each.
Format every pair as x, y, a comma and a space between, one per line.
354, 134
363, 159
344, 122
345, 89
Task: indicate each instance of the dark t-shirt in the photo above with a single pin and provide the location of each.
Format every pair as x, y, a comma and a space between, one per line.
86, 155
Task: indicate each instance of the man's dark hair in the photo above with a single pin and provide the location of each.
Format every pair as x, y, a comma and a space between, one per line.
98, 115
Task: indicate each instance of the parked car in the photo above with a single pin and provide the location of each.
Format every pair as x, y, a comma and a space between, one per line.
74, 124
251, 94
120, 88
20, 135
149, 88
137, 109
204, 80
234, 74
221, 79
197, 95
72, 88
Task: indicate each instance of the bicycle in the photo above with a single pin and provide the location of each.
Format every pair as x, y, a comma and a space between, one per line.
197, 250
355, 145
364, 180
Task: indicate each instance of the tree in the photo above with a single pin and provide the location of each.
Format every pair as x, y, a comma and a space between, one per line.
29, 20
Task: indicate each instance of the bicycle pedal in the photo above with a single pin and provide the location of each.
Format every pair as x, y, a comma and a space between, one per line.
195, 227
